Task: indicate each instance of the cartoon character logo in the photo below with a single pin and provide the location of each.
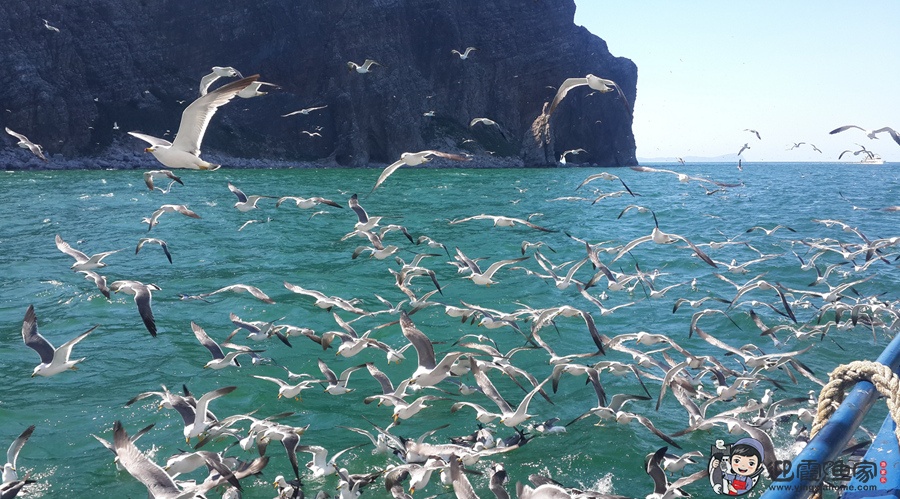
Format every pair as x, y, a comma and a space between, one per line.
734, 468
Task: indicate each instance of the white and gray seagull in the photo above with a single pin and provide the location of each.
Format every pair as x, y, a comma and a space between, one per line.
184, 151
24, 143
53, 360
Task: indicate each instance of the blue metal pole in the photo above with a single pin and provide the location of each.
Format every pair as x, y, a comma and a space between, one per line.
833, 437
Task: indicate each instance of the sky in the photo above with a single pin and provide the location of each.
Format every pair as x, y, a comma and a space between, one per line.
791, 69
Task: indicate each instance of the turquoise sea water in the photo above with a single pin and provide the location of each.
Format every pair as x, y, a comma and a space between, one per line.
101, 210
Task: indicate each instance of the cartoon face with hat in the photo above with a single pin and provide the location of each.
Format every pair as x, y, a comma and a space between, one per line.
734, 468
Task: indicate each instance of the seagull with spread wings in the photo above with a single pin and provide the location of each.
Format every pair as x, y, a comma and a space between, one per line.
24, 143
184, 151
415, 159
53, 360
601, 85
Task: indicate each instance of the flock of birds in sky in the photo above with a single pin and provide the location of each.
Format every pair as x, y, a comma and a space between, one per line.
669, 368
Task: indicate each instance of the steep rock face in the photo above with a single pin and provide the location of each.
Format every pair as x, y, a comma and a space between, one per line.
137, 63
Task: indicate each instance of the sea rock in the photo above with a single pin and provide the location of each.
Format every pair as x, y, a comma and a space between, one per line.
119, 65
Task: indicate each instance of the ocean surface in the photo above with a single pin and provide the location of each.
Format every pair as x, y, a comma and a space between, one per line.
99, 211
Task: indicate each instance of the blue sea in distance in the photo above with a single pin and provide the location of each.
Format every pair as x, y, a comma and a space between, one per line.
99, 211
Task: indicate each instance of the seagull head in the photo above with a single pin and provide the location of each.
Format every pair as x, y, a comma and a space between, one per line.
150, 149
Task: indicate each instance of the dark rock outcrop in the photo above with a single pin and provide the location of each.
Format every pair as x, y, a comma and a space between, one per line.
137, 63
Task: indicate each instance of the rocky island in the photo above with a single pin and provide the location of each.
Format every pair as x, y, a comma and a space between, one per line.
81, 74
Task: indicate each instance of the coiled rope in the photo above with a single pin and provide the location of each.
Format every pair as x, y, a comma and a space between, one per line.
843, 377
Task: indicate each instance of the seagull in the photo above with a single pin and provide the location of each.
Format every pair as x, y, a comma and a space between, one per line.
252, 90
599, 84
744, 148
604, 176
98, 279
160, 242
307, 203
152, 175
53, 360
501, 221
562, 157
754, 132
872, 134
245, 203
364, 68
484, 278
184, 151
242, 288
195, 417
509, 417
288, 390
142, 298
82, 261
24, 143
682, 177
429, 372
660, 237
9, 469
326, 302
304, 111
50, 27
217, 72
337, 386
463, 55
415, 159
363, 220
311, 134
219, 359
169, 208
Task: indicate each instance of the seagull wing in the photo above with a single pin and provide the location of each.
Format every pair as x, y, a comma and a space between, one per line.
328, 373
206, 81
567, 85
359, 210
17, 135
66, 347
496, 266
208, 342
17, 444
143, 299
196, 117
421, 342
279, 382
447, 155
153, 141
387, 172
74, 253
488, 388
33, 338
157, 481
630, 246
845, 127
237, 192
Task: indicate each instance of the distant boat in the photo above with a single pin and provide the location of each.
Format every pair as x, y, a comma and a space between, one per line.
872, 160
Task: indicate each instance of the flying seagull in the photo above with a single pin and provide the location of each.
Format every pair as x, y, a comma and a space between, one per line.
463, 55
184, 151
304, 111
82, 261
217, 72
365, 67
415, 159
872, 134
754, 132
12, 454
142, 299
601, 85
152, 175
744, 148
53, 360
151, 240
24, 143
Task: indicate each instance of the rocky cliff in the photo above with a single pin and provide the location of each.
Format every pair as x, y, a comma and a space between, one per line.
120, 65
